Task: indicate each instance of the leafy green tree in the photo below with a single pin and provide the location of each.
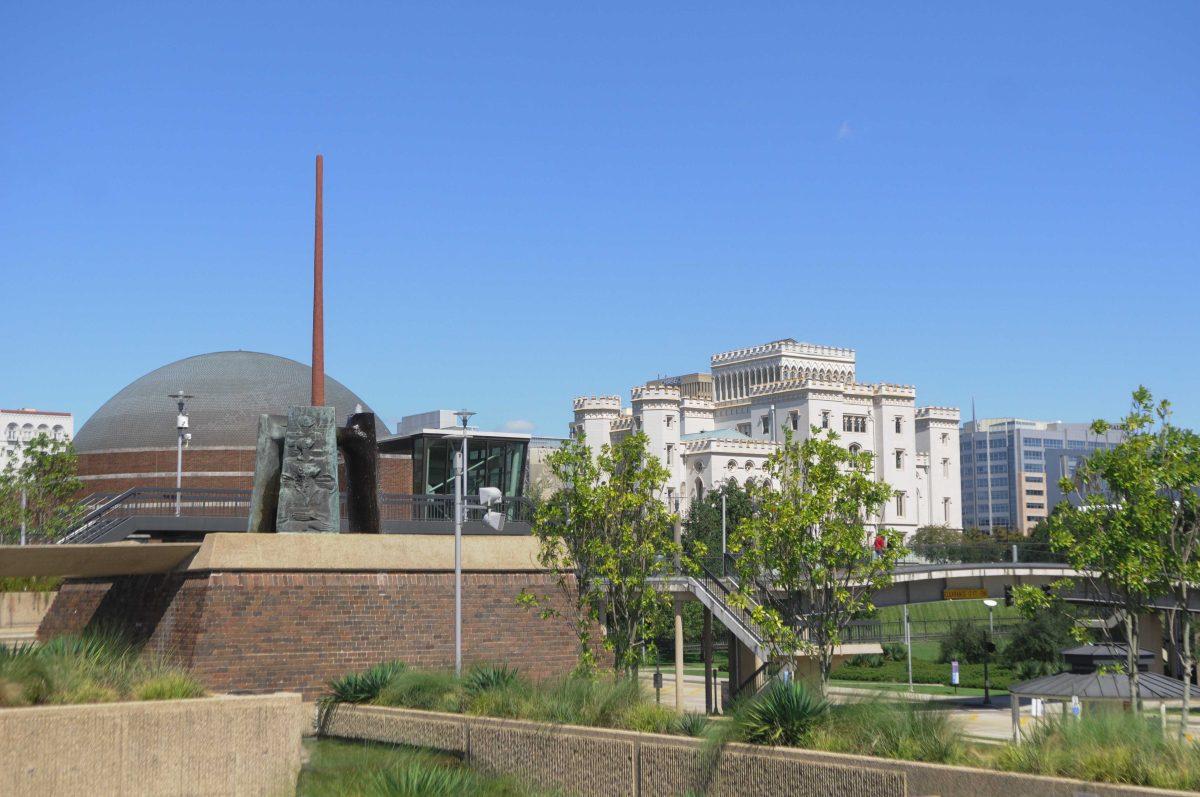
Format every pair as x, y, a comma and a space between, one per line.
809, 537
937, 544
702, 527
606, 531
1118, 527
1161, 466
47, 479
1041, 638
965, 642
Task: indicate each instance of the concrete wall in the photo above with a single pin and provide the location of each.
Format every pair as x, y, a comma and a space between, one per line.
20, 613
595, 761
211, 746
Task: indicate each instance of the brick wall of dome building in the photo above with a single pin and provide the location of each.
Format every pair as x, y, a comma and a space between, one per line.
119, 470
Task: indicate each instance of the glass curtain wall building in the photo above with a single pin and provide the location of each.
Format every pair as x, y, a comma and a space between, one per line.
491, 462
1006, 484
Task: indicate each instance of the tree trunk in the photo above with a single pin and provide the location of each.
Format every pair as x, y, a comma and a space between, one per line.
1131, 661
1185, 622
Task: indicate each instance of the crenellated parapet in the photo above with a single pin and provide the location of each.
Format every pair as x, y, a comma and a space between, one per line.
778, 347
945, 414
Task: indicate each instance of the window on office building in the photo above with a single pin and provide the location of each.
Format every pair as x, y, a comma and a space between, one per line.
854, 423
670, 453
899, 504
824, 419
669, 419
766, 424
899, 423
899, 458
1034, 505
945, 466
795, 419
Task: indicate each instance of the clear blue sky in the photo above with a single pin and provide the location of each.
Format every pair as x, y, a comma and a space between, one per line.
527, 202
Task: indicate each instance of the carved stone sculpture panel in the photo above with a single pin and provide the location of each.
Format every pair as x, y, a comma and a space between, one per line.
308, 483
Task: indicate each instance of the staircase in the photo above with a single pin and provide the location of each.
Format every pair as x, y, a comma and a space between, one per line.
713, 593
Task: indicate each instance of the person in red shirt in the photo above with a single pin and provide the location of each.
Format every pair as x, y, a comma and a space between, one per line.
880, 544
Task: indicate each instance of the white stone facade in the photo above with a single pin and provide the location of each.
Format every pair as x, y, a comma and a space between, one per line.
21, 426
707, 430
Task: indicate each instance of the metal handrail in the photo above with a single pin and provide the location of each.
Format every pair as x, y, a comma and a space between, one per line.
233, 502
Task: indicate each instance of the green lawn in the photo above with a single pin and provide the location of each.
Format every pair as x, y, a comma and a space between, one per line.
921, 689
948, 610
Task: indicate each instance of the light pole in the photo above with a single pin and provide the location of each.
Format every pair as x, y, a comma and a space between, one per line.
181, 427
460, 492
987, 654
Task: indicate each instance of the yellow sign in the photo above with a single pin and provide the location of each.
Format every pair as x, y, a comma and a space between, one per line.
963, 594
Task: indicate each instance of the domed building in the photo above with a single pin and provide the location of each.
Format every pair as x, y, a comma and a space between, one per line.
131, 440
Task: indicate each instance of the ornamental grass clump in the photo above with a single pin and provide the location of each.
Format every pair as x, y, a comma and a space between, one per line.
906, 731
428, 690
100, 666
1107, 745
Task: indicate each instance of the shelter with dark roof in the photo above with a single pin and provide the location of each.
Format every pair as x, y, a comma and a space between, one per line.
131, 440
1098, 688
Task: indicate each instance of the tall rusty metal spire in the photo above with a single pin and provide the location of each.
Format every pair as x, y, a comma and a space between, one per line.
318, 336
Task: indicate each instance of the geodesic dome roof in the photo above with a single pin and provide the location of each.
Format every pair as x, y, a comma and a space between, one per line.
230, 388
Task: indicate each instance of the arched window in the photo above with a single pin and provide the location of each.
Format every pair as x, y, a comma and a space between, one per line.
749, 465
699, 489
731, 465
855, 448
12, 433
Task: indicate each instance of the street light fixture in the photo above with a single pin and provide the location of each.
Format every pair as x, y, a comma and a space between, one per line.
185, 437
988, 648
488, 496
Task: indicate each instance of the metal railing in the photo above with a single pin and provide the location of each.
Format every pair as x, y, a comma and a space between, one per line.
103, 511
986, 552
859, 631
721, 592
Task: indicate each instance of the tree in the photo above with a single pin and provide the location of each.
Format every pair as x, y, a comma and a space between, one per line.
47, 479
1116, 529
809, 537
702, 527
609, 528
938, 544
1167, 458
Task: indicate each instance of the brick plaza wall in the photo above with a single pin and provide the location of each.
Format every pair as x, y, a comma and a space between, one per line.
600, 761
204, 468
269, 631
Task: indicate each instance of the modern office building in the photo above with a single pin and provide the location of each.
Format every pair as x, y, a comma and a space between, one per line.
709, 428
1011, 467
22, 425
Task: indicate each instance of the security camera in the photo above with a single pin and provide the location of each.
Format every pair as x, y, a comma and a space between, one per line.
187, 439
489, 495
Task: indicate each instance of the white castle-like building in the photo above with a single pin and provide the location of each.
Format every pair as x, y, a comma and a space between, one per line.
708, 428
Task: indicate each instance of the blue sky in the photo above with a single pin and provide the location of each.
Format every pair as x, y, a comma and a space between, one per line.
527, 202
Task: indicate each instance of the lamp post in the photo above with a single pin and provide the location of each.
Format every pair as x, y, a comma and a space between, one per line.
460, 492
988, 647
181, 427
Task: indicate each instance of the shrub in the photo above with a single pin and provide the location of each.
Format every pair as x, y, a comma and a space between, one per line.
966, 643
866, 660
891, 730
782, 714
486, 677
691, 723
647, 717
1106, 745
168, 686
430, 690
925, 672
1040, 638
365, 686
895, 651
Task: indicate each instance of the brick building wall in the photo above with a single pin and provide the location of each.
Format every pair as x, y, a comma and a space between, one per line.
267, 631
226, 468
